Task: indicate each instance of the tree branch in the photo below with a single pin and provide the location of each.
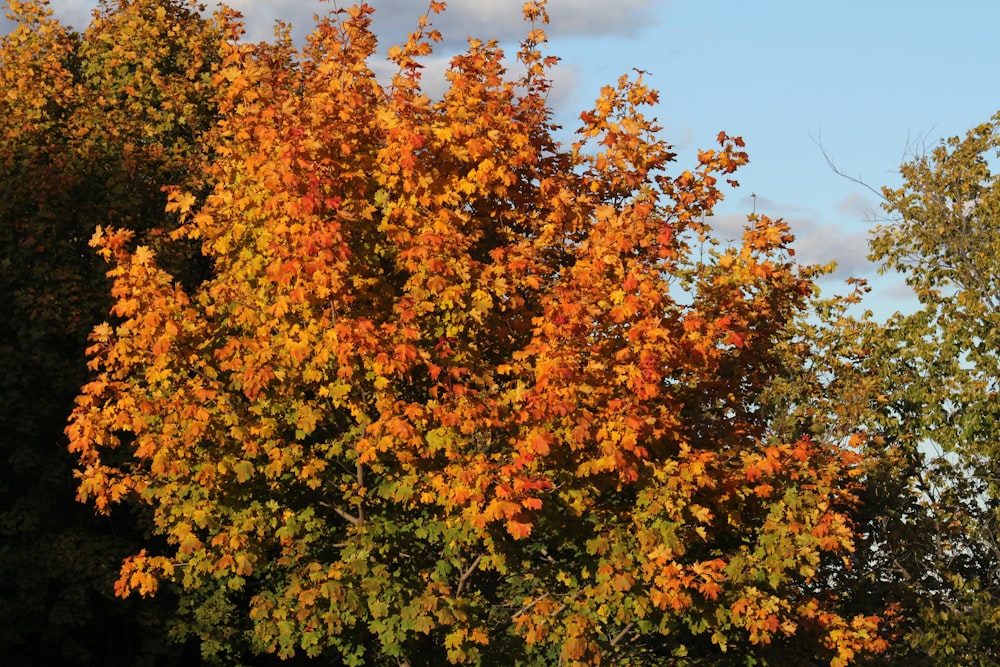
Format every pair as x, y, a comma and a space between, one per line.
839, 172
523, 610
466, 574
343, 514
361, 485
620, 635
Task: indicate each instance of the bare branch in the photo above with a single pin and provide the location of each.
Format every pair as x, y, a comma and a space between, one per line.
840, 172
343, 514
466, 574
621, 635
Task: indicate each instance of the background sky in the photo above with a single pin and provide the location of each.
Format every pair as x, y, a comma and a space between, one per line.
871, 81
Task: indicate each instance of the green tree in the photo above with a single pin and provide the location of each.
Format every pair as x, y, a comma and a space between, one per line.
935, 412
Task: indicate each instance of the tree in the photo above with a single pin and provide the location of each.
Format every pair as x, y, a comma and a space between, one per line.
92, 126
939, 368
455, 392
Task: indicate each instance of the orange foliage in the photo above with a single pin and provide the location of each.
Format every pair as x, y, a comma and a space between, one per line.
439, 350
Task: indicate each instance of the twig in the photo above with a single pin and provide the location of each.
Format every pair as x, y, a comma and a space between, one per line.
523, 610
466, 574
347, 516
620, 635
839, 172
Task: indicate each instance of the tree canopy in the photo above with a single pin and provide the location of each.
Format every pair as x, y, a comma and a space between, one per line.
360, 374
453, 390
940, 365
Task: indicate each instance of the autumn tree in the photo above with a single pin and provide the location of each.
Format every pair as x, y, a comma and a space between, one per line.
452, 391
92, 126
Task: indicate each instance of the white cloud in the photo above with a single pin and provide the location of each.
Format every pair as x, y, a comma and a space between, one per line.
75, 13
860, 206
503, 19
893, 295
500, 19
818, 243
393, 19
483, 19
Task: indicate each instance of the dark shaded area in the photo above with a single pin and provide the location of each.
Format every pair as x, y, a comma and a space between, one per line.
80, 160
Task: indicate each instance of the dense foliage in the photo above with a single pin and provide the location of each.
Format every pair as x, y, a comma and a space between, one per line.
455, 390
92, 126
380, 379
940, 366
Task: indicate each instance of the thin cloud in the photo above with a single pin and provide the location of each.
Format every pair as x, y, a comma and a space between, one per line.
860, 206
503, 19
75, 14
817, 241
393, 19
494, 19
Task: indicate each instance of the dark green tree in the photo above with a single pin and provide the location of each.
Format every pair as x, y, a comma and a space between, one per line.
92, 126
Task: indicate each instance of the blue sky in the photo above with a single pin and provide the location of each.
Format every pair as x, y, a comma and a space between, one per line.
869, 79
